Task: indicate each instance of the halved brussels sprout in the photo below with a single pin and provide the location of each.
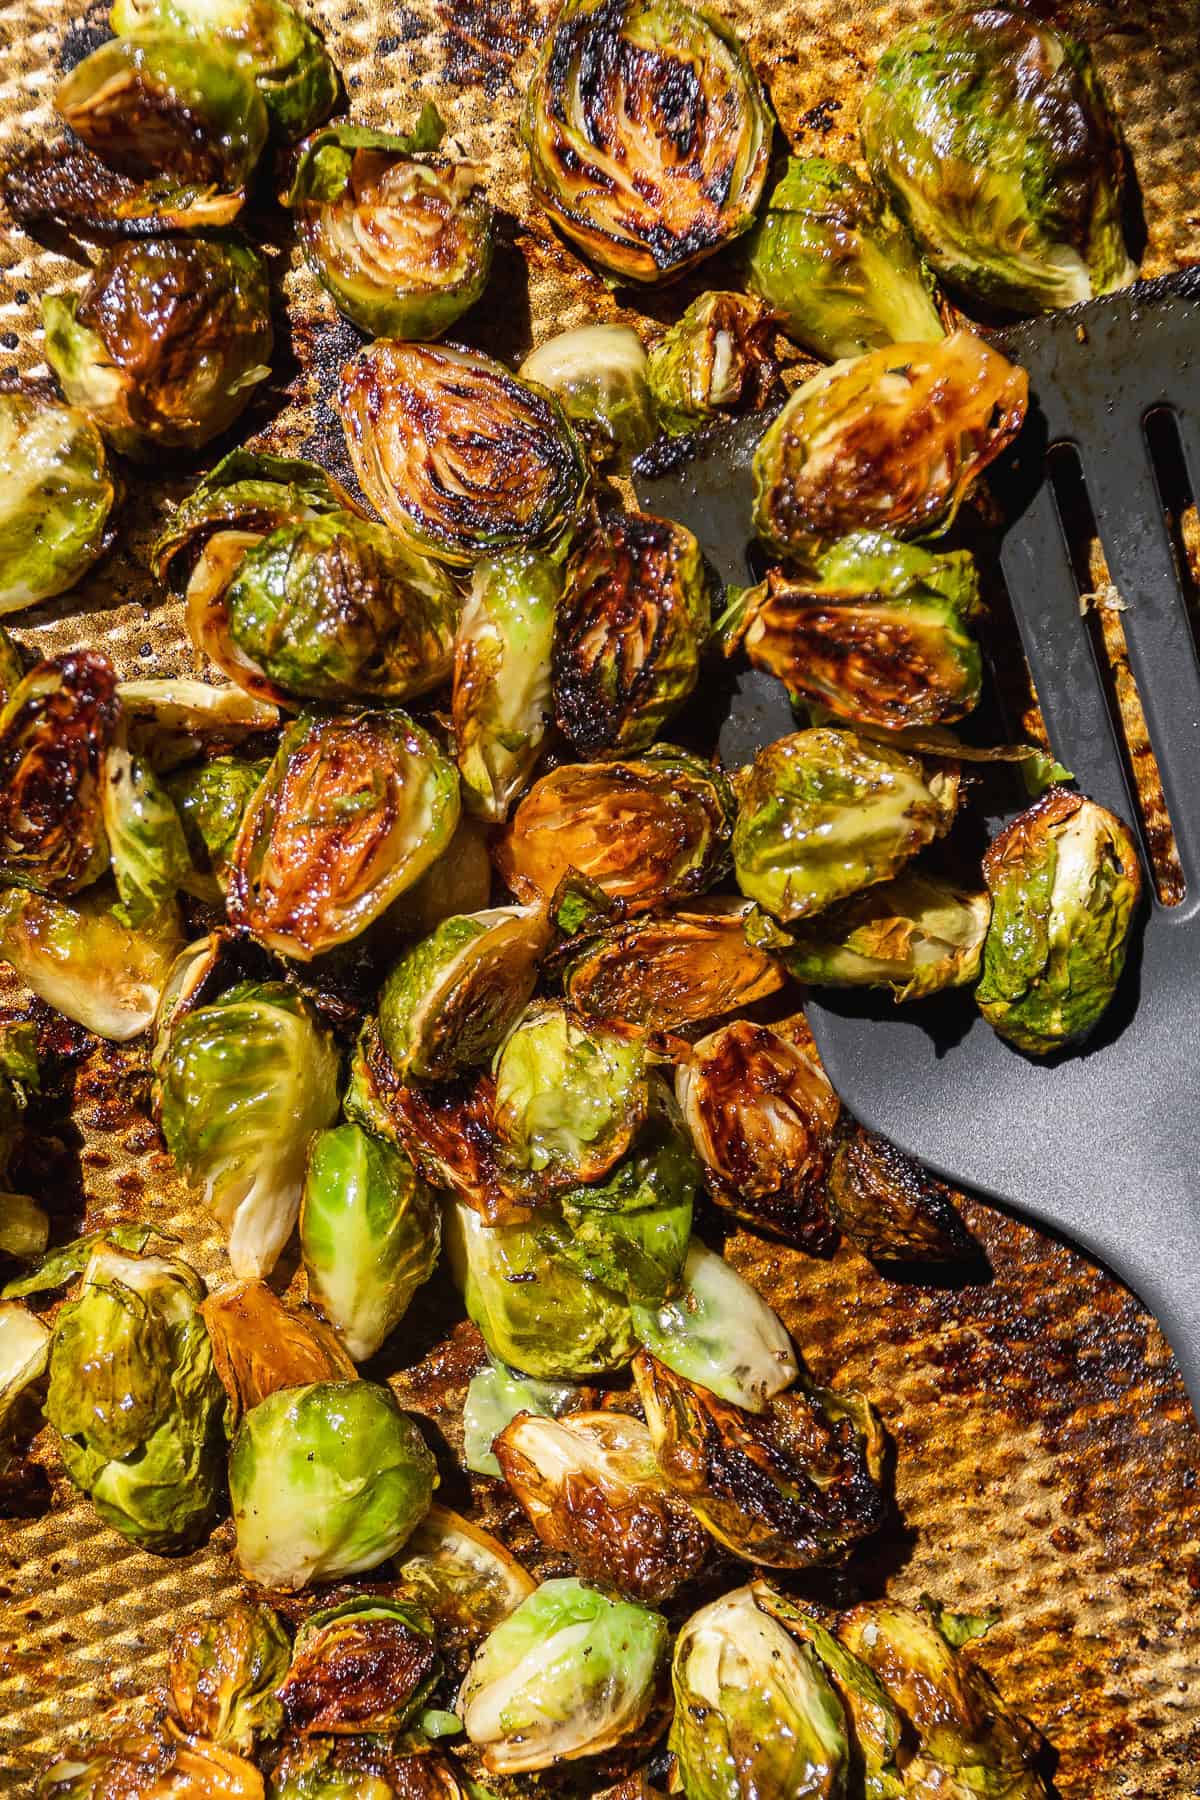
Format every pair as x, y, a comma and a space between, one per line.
890, 441
370, 1231
267, 39
55, 499
591, 1488
457, 455
54, 733
222, 1675
1065, 881
259, 1345
153, 1764
646, 832
135, 1399
171, 720
146, 842
326, 1481
570, 1673
648, 133
838, 267
878, 634
246, 1082
720, 1332
661, 973
465, 1578
571, 1094
634, 613
762, 1116
891, 1208
451, 1000
599, 374
247, 491
62, 183
824, 813
916, 934
355, 809
716, 359
994, 137
755, 1713
793, 1486
367, 1768
365, 1665
82, 961
401, 239
211, 800
24, 1358
495, 1396
502, 695
165, 343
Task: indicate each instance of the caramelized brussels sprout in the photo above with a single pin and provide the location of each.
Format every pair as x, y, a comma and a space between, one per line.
402, 240
62, 183
762, 1115
824, 813
211, 800
165, 343
890, 1207
54, 732
451, 999
135, 1399
993, 135
690, 964
56, 496
495, 1396
354, 810
326, 1481
879, 633
247, 491
172, 720
245, 1083
835, 263
571, 1094
222, 1675
259, 1345
366, 1768
146, 842
1065, 882
634, 612
890, 441
792, 1486
154, 1765
716, 359
459, 456
720, 1332
591, 1489
365, 1665
82, 961
648, 134
645, 832
24, 1358
598, 373
569, 1674
465, 1579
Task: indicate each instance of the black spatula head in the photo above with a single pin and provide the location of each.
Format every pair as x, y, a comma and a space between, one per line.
1103, 1144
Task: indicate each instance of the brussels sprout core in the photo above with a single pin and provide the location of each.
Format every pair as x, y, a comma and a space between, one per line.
55, 499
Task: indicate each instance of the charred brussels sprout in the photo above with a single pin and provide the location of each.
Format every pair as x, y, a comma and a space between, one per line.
259, 1345
634, 613
464, 1578
571, 1094
82, 961
146, 842
823, 813
402, 240
570, 1674
370, 1230
755, 1713
452, 998
56, 494
246, 1082
837, 266
598, 373
211, 799
495, 1396
719, 1331
716, 359
458, 455
55, 731
355, 809
171, 720
153, 1764
326, 1481
363, 1666
165, 343
1065, 882
223, 1674
648, 134
892, 1208
661, 973
249, 492
135, 1399
878, 634
994, 137
365, 1768
890, 441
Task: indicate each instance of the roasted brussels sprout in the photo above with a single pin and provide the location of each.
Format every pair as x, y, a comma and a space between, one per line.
54, 733
223, 1673
720, 1332
661, 973
458, 455
824, 813
716, 359
571, 1094
24, 1357
495, 1396
451, 1000
792, 1486
648, 134
326, 1481
250, 492
245, 1083
839, 269
155, 1765
464, 1578
370, 1231
259, 1345
56, 494
878, 634
82, 961
172, 720
599, 374
402, 240
365, 1665
135, 1399
366, 1768
890, 1207
354, 810
755, 1713
762, 1115
993, 135
634, 613
570, 1673
591, 1488
646, 832
24, 1225
890, 441
1065, 882
146, 842
210, 800
166, 341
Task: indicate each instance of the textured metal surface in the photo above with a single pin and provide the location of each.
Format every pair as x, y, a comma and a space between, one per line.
1047, 1461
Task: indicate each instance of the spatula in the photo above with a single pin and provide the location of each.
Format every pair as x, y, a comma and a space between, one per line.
1103, 1145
